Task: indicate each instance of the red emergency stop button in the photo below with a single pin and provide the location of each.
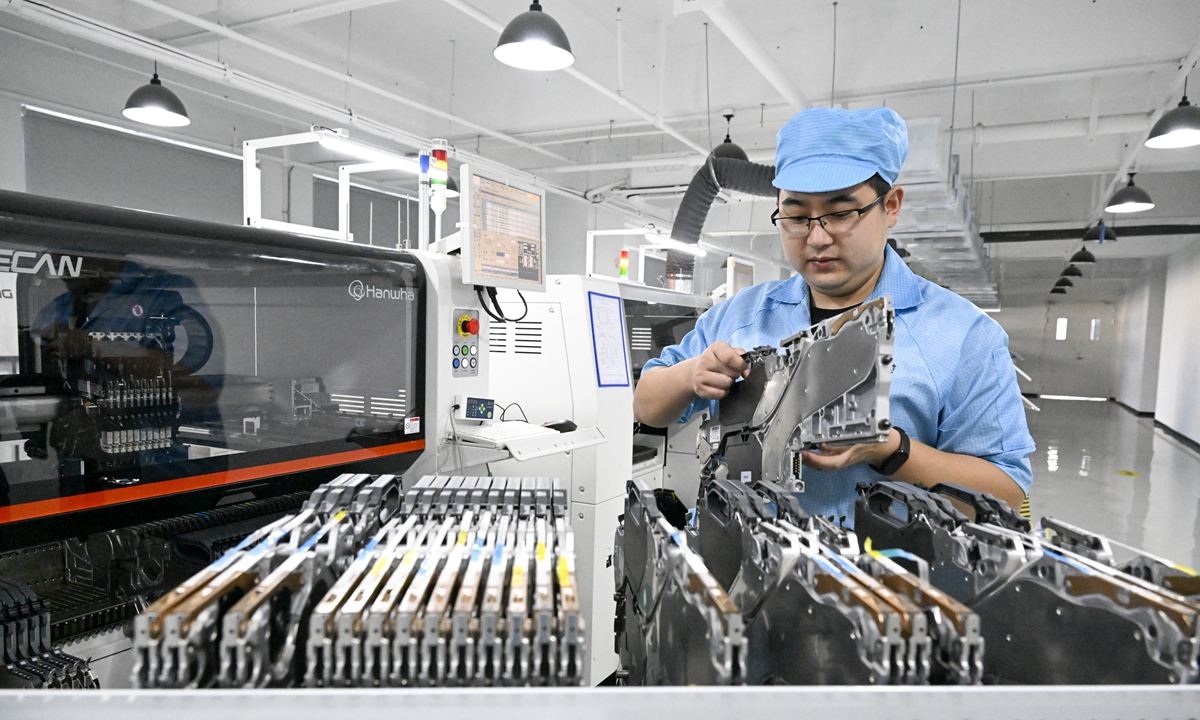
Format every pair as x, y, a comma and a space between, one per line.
473, 326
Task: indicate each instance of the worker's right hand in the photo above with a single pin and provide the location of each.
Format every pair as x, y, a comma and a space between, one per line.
716, 369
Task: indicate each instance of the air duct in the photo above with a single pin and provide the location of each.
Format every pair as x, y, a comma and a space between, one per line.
717, 174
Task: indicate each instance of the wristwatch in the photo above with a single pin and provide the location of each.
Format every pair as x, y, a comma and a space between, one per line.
896, 460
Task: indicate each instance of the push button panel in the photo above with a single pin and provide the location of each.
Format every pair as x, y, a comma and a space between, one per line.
464, 355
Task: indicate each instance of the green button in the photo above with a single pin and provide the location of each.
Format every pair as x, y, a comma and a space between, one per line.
464, 350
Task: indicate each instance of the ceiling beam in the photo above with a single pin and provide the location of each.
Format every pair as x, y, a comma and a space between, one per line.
748, 45
283, 19
337, 75
1006, 236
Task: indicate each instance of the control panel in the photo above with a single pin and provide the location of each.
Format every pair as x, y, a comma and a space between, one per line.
465, 354
473, 408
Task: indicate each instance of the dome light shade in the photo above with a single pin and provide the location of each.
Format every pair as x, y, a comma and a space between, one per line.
1083, 257
534, 41
1178, 127
1058, 291
1129, 199
451, 187
1064, 283
730, 149
1093, 233
1071, 271
153, 104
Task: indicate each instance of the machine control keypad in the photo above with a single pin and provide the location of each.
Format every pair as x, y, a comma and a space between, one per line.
466, 343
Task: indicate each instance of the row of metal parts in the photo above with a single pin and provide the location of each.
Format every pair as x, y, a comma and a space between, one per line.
29, 659
760, 593
756, 592
1058, 604
465, 581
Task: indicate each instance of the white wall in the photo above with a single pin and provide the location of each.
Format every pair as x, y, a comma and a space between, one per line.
1179, 365
1025, 327
12, 146
1139, 341
76, 162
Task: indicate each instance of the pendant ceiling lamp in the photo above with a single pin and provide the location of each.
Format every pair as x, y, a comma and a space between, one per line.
1178, 127
1071, 271
1064, 283
1094, 233
1058, 291
153, 104
534, 41
730, 149
1129, 199
1083, 257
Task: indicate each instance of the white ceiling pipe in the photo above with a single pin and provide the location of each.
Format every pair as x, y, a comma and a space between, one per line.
335, 74
283, 19
983, 135
92, 30
673, 161
748, 45
485, 19
1133, 149
1062, 129
878, 94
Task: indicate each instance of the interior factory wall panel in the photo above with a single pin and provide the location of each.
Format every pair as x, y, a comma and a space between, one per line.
1079, 362
1026, 327
12, 146
75, 162
1178, 369
1138, 334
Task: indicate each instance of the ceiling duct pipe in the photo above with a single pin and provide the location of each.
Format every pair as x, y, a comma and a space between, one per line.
717, 174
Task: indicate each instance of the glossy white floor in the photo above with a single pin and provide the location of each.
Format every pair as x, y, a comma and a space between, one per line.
1103, 468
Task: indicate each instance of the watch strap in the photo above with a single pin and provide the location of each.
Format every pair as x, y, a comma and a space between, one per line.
897, 459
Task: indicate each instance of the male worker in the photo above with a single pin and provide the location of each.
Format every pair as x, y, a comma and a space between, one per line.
955, 405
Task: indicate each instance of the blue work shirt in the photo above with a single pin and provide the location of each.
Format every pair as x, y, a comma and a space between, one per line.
953, 382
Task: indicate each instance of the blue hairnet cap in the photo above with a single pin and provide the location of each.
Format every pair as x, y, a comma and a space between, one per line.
825, 149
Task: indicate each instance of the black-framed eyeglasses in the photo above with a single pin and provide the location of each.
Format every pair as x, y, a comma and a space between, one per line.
833, 223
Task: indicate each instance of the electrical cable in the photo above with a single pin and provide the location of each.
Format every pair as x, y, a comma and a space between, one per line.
455, 438
483, 303
833, 72
954, 93
504, 410
495, 312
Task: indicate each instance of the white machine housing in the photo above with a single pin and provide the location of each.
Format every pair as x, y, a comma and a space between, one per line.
547, 364
447, 298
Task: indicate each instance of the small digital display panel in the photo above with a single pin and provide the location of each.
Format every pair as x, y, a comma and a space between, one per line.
505, 239
480, 409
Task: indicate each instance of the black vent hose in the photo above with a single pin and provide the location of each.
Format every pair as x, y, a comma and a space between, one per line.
716, 174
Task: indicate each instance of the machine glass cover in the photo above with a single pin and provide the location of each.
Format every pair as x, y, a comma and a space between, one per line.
138, 364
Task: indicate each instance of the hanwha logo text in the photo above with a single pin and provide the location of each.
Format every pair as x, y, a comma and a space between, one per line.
357, 290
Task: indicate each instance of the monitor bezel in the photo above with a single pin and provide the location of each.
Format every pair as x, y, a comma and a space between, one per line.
466, 230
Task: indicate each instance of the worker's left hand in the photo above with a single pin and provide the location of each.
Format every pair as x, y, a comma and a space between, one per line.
835, 458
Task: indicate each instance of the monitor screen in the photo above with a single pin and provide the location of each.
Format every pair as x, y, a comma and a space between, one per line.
503, 237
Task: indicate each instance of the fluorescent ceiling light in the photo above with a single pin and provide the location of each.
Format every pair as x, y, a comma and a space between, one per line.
345, 146
1073, 397
657, 240
129, 131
